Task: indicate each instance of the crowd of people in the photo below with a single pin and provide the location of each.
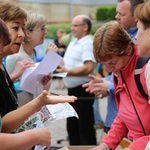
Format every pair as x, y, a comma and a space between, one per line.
105, 87
118, 45
12, 24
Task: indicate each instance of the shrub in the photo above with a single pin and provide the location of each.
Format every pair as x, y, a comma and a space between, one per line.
52, 28
105, 13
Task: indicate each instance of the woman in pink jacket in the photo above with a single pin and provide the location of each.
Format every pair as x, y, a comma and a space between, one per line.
114, 48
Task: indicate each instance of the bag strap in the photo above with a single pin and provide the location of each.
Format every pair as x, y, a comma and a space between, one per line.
140, 63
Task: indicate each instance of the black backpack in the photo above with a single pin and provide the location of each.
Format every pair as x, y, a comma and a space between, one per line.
140, 63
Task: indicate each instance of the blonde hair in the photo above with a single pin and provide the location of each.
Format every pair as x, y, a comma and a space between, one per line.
142, 13
11, 11
110, 40
34, 19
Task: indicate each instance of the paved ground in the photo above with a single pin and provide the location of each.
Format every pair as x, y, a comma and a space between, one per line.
58, 128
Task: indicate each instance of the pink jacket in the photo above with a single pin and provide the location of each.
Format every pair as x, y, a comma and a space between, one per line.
127, 122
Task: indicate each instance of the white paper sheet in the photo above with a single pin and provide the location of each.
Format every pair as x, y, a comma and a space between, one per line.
63, 74
49, 63
56, 112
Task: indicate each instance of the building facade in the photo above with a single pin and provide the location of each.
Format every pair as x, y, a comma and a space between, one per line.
61, 10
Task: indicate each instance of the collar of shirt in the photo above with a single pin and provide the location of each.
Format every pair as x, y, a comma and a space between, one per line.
132, 32
83, 39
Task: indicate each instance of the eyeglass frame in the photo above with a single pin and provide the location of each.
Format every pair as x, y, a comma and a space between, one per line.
40, 29
76, 25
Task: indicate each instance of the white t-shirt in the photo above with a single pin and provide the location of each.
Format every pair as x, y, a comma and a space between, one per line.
77, 53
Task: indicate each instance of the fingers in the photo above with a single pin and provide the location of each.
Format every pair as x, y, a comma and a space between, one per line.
46, 79
52, 46
93, 77
25, 64
61, 68
96, 92
61, 99
90, 87
45, 99
85, 85
45, 93
20, 68
28, 61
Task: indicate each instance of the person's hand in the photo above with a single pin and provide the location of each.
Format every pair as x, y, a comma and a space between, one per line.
126, 149
45, 98
61, 68
46, 79
97, 86
52, 46
100, 147
101, 88
44, 137
90, 85
20, 67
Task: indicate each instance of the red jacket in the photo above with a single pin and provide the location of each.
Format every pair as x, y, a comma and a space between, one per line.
127, 122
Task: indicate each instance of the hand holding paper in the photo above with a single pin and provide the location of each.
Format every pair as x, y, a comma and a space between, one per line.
44, 68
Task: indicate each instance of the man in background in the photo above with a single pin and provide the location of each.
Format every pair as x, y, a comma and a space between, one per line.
78, 63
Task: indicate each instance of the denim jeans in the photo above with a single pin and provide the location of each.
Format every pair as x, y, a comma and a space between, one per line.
97, 116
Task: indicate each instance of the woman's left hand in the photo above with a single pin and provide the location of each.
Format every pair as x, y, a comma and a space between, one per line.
45, 98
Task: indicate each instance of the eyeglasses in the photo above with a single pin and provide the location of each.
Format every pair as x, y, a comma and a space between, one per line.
39, 29
76, 25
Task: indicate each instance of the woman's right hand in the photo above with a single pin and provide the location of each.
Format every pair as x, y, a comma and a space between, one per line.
20, 67
90, 85
52, 46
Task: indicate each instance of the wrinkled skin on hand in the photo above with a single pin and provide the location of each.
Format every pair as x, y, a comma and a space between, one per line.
97, 86
45, 98
20, 67
51, 46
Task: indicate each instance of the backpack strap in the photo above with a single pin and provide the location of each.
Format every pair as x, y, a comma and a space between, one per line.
140, 63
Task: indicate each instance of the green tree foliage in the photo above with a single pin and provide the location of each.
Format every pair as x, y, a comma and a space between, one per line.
53, 27
106, 13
